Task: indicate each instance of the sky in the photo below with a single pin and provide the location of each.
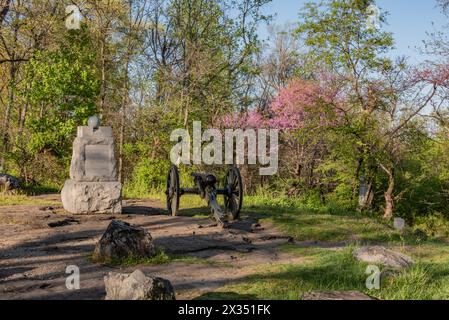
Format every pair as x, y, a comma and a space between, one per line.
408, 20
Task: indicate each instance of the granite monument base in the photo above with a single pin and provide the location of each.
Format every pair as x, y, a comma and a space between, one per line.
92, 197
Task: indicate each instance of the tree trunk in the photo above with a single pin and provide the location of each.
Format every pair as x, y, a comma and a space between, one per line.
122, 123
125, 98
9, 107
355, 184
298, 170
103, 78
389, 197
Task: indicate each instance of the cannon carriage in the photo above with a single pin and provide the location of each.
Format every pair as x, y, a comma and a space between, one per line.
206, 188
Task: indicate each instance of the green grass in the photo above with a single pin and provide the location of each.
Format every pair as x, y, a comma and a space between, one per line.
324, 224
159, 259
328, 228
20, 199
328, 270
324, 269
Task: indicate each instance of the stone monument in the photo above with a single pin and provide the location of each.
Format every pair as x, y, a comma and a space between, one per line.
93, 186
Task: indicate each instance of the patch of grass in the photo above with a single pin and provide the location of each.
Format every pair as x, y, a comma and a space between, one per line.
307, 252
20, 199
329, 270
331, 224
293, 205
329, 228
231, 296
159, 259
435, 225
325, 271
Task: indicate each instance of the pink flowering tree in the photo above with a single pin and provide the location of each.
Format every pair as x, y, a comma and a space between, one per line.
299, 105
302, 112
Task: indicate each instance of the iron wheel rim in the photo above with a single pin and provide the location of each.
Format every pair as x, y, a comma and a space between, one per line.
233, 200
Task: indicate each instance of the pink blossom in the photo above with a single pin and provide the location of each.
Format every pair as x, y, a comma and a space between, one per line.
297, 105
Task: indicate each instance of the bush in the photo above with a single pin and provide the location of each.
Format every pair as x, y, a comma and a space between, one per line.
435, 225
148, 175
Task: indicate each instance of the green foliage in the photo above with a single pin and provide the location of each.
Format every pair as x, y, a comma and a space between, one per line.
159, 259
64, 87
60, 87
148, 176
338, 32
424, 179
435, 225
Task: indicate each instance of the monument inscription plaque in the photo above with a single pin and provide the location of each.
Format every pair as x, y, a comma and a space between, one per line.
97, 161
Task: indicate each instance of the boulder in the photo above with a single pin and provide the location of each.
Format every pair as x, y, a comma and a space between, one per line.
336, 295
137, 286
92, 197
8, 182
121, 241
378, 255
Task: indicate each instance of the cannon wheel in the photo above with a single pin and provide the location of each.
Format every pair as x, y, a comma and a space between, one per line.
173, 191
234, 198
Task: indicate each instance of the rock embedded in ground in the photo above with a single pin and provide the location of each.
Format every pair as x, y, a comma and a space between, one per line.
137, 286
121, 240
336, 295
382, 256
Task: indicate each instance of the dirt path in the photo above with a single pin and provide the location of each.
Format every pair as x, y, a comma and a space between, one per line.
36, 247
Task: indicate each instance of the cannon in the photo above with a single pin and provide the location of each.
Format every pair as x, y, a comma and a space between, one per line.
205, 187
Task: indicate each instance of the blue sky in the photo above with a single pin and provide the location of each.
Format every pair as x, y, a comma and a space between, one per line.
408, 20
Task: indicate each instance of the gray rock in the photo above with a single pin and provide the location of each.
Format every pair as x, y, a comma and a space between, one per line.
121, 240
92, 197
8, 182
382, 256
336, 295
137, 286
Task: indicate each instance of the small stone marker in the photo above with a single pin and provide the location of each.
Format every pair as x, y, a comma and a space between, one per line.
399, 224
93, 186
